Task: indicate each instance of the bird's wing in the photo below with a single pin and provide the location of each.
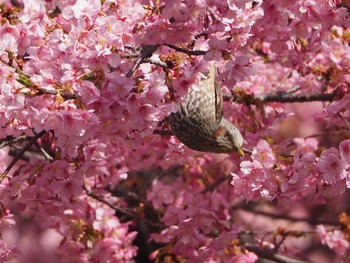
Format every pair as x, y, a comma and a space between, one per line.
204, 101
218, 95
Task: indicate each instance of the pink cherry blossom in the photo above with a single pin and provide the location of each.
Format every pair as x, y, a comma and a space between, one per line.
254, 169
303, 168
246, 258
162, 194
333, 239
331, 166
6, 218
6, 253
344, 148
263, 154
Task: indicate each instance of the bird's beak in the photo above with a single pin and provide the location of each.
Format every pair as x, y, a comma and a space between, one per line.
240, 152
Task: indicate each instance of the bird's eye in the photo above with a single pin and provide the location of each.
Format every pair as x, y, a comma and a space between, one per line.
230, 138
228, 135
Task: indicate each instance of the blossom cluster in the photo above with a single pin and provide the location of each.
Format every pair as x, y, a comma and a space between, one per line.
78, 116
308, 173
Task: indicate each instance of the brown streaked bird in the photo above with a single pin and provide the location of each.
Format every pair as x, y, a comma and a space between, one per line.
199, 123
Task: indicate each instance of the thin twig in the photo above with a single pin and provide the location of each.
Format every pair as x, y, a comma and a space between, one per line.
145, 53
121, 210
30, 84
346, 256
216, 183
127, 55
164, 132
280, 243
284, 79
63, 93
290, 233
25, 148
47, 156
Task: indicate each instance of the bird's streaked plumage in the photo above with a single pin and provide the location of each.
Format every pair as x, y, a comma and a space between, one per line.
199, 123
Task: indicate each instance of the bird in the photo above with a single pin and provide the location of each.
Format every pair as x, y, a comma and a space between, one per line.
199, 123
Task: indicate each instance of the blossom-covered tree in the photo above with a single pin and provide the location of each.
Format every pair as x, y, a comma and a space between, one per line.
91, 173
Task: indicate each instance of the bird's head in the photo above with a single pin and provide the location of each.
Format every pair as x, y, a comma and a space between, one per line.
229, 138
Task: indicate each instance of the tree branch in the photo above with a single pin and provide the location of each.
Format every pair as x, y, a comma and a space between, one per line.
186, 51
121, 210
63, 93
284, 97
27, 82
346, 256
46, 155
145, 53
216, 184
20, 154
271, 255
297, 97
311, 221
9, 140
159, 63
164, 132
26, 156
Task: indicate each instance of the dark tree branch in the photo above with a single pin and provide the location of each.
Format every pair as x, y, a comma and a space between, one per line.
46, 155
329, 133
271, 255
20, 154
63, 93
9, 140
284, 97
164, 132
145, 53
129, 196
186, 51
122, 210
14, 151
297, 97
216, 184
